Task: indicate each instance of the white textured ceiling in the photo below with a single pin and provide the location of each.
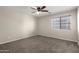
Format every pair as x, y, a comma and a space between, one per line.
52, 9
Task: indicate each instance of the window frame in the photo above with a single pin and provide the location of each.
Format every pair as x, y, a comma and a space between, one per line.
60, 22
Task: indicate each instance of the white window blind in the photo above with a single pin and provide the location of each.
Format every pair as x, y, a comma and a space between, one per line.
62, 22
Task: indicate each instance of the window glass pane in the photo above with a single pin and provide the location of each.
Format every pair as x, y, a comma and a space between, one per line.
65, 19
65, 22
56, 27
65, 26
57, 19
56, 23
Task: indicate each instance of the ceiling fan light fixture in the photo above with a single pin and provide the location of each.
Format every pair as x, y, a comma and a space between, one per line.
37, 12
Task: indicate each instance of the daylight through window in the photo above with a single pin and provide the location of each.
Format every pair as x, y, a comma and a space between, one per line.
62, 22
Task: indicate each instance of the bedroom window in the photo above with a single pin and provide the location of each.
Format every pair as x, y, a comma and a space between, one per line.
62, 22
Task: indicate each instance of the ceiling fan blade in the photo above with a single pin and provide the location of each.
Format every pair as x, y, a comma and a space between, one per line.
44, 10
38, 8
34, 8
43, 7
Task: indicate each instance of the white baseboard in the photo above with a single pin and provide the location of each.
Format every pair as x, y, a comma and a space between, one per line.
60, 38
16, 39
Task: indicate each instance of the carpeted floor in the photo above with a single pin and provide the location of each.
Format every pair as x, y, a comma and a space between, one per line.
40, 44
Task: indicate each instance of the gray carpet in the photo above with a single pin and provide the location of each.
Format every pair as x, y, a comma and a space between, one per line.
40, 44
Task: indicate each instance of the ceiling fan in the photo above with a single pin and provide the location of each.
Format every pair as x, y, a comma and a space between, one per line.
39, 9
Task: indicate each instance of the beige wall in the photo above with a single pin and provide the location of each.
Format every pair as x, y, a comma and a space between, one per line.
46, 29
14, 25
78, 23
